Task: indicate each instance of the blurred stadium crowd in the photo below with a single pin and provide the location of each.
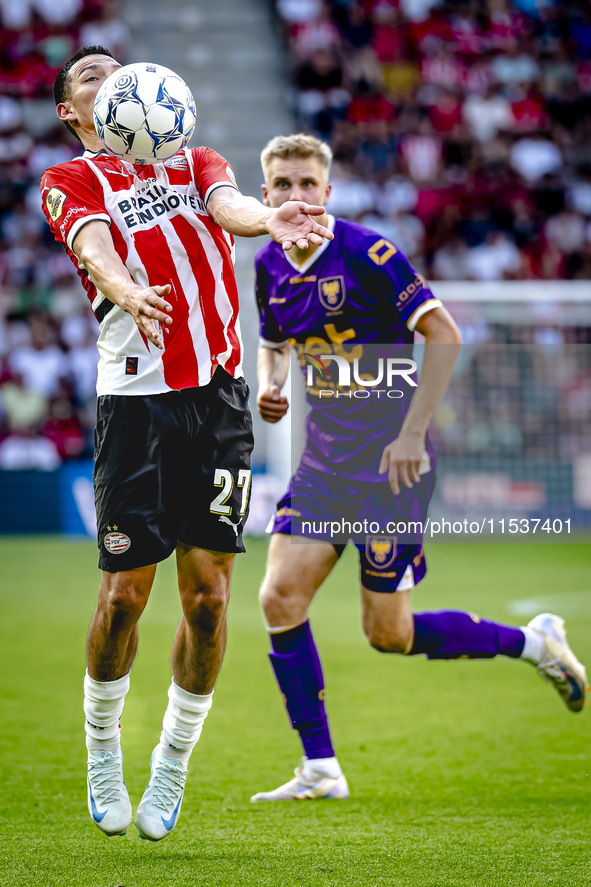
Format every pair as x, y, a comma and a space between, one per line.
461, 128
461, 131
519, 400
48, 335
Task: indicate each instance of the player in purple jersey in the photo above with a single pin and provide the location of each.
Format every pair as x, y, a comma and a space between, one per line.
341, 300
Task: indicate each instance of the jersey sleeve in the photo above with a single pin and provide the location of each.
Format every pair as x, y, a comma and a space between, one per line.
71, 197
390, 273
211, 171
271, 335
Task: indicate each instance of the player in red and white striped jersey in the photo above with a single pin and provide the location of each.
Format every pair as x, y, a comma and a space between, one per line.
162, 231
153, 246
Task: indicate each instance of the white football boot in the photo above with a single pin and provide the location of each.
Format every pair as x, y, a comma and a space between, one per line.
307, 786
108, 800
160, 805
559, 665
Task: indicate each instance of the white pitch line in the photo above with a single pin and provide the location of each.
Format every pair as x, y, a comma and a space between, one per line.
570, 605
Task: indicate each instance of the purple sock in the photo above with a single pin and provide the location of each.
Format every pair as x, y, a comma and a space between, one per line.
298, 671
452, 634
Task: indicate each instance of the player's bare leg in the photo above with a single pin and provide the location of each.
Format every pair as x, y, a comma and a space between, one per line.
111, 649
387, 620
113, 636
200, 641
197, 655
295, 572
391, 627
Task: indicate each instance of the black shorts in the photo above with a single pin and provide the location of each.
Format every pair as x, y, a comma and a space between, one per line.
172, 468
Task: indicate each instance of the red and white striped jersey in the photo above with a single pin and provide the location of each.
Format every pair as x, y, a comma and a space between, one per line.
163, 233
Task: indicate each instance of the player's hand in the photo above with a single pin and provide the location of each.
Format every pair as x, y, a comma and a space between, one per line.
272, 406
401, 459
147, 307
291, 223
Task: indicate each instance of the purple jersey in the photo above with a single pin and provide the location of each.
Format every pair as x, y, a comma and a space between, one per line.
357, 297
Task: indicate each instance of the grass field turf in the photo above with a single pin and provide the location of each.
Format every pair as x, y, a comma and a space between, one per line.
462, 774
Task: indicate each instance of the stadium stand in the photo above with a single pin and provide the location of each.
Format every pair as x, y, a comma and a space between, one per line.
461, 130
47, 334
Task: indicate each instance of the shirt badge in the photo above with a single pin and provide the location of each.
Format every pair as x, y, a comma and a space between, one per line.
332, 292
55, 203
381, 251
179, 161
117, 543
381, 550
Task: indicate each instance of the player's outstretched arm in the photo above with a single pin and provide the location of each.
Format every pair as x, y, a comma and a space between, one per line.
272, 369
287, 224
402, 458
94, 247
291, 224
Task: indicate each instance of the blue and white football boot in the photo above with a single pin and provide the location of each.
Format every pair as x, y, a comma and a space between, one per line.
306, 785
108, 800
160, 805
559, 665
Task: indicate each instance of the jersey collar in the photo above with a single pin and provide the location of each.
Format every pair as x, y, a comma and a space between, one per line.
316, 255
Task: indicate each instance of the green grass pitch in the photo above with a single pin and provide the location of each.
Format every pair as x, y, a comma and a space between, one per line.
463, 774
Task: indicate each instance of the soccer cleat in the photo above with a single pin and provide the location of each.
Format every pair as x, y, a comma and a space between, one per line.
108, 800
559, 665
160, 805
307, 788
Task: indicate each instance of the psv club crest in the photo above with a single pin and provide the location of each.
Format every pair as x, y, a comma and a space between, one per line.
381, 550
117, 543
332, 292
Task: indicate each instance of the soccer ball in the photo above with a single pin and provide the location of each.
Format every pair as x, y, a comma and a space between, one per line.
144, 113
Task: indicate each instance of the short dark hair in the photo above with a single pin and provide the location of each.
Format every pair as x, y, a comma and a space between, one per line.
61, 89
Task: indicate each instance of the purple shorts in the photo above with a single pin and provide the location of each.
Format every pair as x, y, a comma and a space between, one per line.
389, 562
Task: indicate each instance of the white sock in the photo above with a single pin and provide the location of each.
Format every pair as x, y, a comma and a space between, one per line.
183, 722
534, 646
322, 767
103, 704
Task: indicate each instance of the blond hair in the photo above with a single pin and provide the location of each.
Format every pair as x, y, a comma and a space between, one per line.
299, 145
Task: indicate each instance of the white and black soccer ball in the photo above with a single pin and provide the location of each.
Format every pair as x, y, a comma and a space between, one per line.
144, 113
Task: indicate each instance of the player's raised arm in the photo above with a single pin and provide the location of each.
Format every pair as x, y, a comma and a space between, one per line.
402, 458
247, 217
272, 370
94, 247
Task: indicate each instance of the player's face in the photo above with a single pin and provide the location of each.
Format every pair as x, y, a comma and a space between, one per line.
296, 179
84, 79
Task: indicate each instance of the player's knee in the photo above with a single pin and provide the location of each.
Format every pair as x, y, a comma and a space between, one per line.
279, 600
205, 607
125, 600
208, 613
391, 640
267, 595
